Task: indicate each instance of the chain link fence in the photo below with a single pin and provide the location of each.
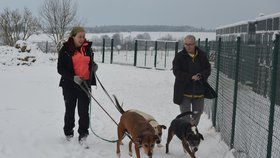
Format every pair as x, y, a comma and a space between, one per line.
246, 112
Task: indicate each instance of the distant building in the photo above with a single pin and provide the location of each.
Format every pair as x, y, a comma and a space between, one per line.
260, 30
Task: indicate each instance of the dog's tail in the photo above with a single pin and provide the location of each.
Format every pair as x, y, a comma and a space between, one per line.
185, 113
118, 106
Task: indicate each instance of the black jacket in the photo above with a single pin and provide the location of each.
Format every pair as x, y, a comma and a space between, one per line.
184, 67
65, 65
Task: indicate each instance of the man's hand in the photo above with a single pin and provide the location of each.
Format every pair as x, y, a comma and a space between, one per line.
196, 77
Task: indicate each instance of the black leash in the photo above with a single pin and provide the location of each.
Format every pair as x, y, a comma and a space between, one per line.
86, 89
105, 90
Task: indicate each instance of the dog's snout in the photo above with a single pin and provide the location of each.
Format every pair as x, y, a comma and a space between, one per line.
150, 154
195, 149
158, 141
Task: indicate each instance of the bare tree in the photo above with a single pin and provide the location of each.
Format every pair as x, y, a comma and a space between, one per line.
57, 16
145, 36
17, 26
117, 39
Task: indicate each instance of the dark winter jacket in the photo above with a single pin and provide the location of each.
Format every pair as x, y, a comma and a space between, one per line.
65, 64
184, 67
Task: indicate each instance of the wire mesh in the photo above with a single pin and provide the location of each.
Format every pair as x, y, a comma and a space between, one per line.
253, 98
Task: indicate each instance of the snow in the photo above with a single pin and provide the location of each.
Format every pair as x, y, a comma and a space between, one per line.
159, 35
262, 16
153, 35
32, 110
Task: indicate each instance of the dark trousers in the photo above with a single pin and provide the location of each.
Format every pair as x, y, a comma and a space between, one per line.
75, 96
195, 105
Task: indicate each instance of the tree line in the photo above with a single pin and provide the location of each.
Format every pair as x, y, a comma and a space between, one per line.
145, 28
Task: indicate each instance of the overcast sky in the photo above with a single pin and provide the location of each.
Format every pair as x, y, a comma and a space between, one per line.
198, 13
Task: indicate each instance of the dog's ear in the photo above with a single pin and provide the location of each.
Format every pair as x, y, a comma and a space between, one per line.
201, 136
163, 126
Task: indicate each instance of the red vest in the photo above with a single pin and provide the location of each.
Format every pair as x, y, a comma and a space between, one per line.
81, 62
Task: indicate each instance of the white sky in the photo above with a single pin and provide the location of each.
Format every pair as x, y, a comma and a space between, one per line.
198, 13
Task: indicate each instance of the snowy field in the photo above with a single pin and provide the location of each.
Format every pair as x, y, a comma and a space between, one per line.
153, 35
32, 109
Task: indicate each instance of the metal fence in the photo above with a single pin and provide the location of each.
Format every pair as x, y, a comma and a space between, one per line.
146, 54
246, 77
246, 112
157, 54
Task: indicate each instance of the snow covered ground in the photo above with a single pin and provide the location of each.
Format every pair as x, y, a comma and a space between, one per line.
32, 109
154, 35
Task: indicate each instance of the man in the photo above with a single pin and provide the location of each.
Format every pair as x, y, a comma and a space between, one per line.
191, 68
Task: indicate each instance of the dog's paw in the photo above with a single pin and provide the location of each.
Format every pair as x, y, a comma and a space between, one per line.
118, 155
130, 154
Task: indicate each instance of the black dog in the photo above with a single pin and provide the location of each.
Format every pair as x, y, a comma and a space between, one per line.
186, 132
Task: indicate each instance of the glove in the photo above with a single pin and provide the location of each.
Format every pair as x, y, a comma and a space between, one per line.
78, 80
94, 67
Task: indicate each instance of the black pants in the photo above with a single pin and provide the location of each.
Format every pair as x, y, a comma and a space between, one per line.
75, 96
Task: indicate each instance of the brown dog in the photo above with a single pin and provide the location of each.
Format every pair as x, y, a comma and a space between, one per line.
142, 133
158, 128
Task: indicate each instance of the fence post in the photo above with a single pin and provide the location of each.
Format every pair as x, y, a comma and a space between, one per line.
47, 47
112, 50
103, 51
146, 48
165, 55
214, 116
135, 53
272, 95
176, 47
155, 60
206, 47
235, 92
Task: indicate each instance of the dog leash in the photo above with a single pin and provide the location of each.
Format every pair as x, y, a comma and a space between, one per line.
104, 89
90, 96
91, 128
86, 89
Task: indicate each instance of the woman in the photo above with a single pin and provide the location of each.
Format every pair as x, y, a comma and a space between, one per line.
76, 67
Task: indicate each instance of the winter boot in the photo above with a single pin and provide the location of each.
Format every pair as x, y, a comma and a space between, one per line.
69, 137
83, 142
